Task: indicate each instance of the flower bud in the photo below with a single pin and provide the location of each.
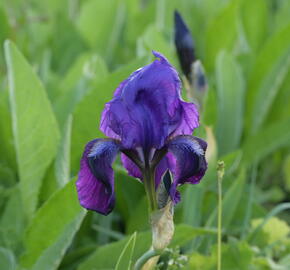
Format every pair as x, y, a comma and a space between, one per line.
199, 82
199, 78
184, 45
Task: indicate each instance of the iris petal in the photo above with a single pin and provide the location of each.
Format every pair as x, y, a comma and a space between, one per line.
134, 171
131, 167
188, 162
189, 120
95, 184
147, 108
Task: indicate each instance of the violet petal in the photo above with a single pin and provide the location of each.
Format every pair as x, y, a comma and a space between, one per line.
188, 164
147, 108
95, 184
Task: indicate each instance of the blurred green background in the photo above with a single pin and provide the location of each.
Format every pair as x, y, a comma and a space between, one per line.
62, 64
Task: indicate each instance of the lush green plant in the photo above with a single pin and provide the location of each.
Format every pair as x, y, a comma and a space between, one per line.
63, 62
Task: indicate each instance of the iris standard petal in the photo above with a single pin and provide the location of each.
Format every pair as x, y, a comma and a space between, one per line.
147, 108
95, 184
189, 120
188, 163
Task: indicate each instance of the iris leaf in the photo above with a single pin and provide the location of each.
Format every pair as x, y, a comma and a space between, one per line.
217, 38
230, 91
269, 71
255, 23
7, 259
62, 162
266, 141
125, 259
35, 129
52, 230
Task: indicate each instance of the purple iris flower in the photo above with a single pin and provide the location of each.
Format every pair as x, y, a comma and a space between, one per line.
151, 126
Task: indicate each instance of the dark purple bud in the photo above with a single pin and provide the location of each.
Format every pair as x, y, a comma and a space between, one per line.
184, 45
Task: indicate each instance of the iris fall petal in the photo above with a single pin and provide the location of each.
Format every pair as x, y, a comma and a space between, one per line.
95, 184
188, 163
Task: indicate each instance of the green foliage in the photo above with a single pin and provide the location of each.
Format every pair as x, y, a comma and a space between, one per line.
7, 259
231, 103
60, 64
273, 231
125, 259
225, 19
269, 71
231, 201
237, 255
48, 236
34, 126
106, 256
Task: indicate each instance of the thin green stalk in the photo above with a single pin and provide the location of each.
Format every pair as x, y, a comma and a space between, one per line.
250, 201
220, 174
219, 223
145, 257
149, 184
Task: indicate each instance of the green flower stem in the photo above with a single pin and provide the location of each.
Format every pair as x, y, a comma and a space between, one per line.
149, 184
145, 257
220, 174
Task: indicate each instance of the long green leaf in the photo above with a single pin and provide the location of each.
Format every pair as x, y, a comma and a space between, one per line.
7, 151
52, 229
184, 233
266, 141
255, 23
12, 226
62, 162
230, 90
217, 38
80, 78
269, 71
125, 260
106, 12
7, 259
281, 106
34, 126
192, 203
